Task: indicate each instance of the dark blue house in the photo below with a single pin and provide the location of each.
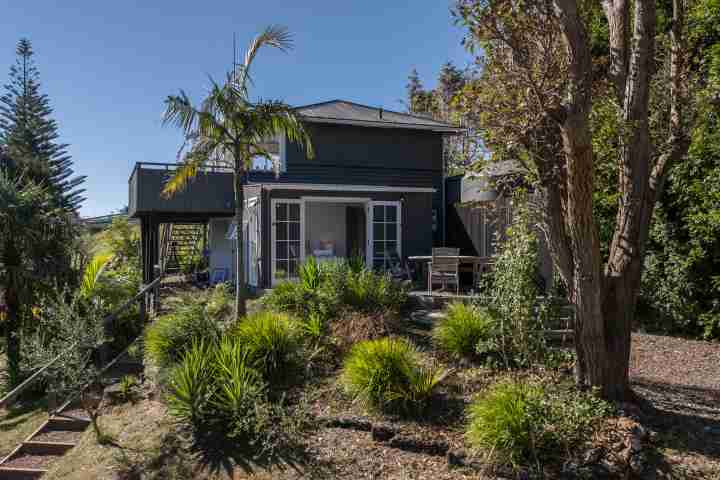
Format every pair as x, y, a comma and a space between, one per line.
376, 185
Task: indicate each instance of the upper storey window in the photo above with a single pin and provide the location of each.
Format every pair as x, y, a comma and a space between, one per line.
275, 160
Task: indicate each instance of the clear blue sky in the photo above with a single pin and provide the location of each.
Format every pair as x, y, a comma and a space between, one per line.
107, 66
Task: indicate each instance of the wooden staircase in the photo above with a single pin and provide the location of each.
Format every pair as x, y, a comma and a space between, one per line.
59, 433
185, 242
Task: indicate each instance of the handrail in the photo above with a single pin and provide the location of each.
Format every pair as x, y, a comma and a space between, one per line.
13, 394
10, 397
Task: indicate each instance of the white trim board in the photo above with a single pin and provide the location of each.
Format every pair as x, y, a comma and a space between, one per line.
342, 188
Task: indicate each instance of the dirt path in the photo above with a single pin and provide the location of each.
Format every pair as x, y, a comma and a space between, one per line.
680, 379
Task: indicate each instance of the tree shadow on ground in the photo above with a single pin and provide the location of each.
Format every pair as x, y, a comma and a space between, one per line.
686, 418
183, 454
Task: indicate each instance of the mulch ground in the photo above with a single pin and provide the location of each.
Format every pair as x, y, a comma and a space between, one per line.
680, 381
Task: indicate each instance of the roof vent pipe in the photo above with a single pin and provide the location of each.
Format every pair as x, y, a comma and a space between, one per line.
381, 112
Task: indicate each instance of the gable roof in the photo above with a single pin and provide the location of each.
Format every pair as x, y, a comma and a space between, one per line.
344, 112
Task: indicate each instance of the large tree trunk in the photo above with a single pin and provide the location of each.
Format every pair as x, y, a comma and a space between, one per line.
239, 181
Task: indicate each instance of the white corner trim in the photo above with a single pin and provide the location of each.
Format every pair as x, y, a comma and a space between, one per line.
344, 188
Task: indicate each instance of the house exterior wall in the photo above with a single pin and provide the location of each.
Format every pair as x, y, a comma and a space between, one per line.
416, 211
463, 223
222, 249
344, 155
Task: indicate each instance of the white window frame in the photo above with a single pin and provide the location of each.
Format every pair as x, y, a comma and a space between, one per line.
273, 236
370, 228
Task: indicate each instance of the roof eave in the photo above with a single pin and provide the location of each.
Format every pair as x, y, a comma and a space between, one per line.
380, 124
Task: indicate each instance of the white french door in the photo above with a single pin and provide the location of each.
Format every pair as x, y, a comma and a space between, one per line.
384, 233
288, 234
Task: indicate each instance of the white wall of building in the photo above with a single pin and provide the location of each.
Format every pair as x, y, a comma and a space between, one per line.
326, 222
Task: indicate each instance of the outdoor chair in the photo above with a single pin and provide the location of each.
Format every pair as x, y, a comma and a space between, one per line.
444, 268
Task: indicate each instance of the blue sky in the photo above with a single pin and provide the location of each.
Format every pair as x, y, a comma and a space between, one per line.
107, 66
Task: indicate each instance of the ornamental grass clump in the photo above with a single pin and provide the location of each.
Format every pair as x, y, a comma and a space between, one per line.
527, 423
273, 342
466, 331
387, 374
170, 336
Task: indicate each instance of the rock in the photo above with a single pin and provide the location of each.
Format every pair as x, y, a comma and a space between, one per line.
382, 433
410, 444
347, 422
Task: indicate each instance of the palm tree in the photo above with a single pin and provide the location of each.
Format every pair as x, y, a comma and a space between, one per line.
230, 130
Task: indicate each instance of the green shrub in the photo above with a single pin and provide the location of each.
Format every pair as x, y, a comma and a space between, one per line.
523, 423
216, 391
172, 335
464, 329
328, 288
387, 374
273, 342
191, 384
310, 274
505, 421
239, 386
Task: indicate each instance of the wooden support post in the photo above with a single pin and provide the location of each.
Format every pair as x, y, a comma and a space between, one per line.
156, 293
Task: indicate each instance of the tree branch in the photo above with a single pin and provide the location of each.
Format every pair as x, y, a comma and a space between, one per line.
617, 13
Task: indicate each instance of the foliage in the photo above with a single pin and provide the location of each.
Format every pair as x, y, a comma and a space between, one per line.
69, 326
216, 391
128, 383
465, 328
387, 374
228, 129
91, 276
171, 335
521, 423
31, 135
331, 288
191, 384
29, 224
515, 291
273, 342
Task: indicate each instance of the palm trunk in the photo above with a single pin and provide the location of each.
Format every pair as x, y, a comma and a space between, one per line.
239, 181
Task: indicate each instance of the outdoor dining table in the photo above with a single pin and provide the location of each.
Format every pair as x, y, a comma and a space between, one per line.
474, 260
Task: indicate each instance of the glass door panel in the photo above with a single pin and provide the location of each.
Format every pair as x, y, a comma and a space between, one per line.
288, 240
385, 233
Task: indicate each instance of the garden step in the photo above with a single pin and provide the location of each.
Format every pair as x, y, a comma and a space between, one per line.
427, 317
10, 473
45, 448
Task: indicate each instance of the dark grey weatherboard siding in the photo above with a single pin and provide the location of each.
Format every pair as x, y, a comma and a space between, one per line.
344, 155
416, 211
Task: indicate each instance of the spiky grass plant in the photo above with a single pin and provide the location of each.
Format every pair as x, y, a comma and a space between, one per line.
463, 329
507, 422
387, 374
273, 342
191, 384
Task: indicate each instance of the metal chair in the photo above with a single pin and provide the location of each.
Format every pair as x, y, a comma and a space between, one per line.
444, 268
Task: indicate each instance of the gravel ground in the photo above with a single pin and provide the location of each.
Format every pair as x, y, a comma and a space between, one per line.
680, 379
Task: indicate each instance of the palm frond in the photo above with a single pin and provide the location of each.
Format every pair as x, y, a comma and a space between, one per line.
273, 117
91, 275
275, 36
180, 112
185, 172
